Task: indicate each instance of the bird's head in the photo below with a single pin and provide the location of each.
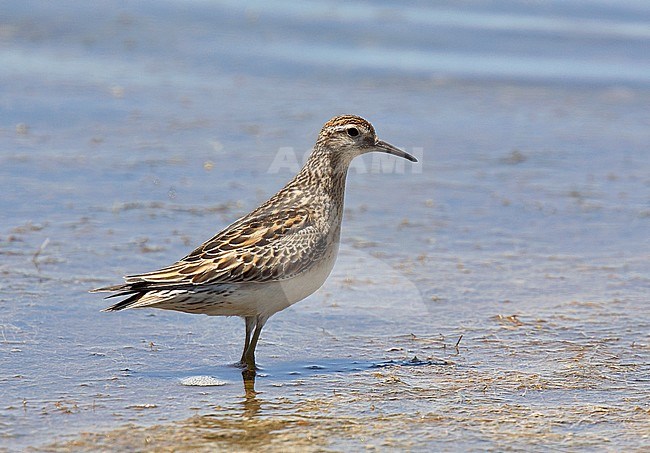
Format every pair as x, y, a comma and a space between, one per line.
351, 136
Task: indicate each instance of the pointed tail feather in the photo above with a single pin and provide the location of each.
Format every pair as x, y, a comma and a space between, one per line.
126, 303
141, 293
111, 289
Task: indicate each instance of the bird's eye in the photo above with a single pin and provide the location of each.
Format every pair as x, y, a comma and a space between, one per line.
353, 131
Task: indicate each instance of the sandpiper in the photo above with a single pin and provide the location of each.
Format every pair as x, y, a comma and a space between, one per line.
273, 257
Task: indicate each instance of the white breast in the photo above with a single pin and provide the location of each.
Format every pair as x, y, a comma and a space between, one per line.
272, 297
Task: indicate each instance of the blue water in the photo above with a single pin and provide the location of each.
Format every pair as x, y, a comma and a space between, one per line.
131, 132
149, 42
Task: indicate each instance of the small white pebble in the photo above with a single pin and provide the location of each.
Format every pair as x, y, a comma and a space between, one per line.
202, 381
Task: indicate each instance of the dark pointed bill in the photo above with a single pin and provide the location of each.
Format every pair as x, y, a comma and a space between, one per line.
384, 147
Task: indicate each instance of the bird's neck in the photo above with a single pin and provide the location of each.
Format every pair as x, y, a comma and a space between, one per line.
324, 174
320, 186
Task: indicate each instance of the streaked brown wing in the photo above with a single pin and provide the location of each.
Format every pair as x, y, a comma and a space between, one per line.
265, 247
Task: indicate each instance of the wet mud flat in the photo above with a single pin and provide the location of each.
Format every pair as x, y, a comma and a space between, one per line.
348, 368
513, 383
494, 297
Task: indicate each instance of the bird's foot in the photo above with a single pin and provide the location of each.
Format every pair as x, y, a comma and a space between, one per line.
246, 365
240, 364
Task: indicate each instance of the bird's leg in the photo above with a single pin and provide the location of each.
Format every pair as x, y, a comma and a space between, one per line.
249, 354
250, 325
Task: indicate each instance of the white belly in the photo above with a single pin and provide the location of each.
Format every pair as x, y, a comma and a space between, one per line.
276, 296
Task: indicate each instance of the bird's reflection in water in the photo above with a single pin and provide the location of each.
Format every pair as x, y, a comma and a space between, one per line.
239, 426
251, 404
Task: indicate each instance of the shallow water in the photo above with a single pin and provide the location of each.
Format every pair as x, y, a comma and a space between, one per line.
493, 297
